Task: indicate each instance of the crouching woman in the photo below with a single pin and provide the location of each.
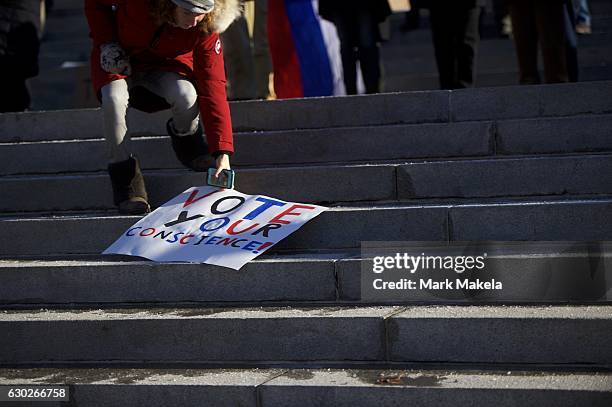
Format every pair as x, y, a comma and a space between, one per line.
155, 55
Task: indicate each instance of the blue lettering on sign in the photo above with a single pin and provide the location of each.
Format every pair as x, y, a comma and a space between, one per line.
132, 234
175, 238
216, 224
267, 203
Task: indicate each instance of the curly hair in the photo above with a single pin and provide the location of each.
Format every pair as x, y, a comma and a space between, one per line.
162, 11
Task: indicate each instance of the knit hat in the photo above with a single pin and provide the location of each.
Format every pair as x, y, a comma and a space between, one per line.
196, 6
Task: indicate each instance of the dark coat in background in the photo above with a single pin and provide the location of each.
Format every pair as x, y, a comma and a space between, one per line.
330, 9
357, 23
455, 34
462, 3
19, 45
541, 24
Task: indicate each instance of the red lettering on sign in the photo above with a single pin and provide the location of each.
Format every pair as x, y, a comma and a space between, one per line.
263, 246
230, 230
184, 239
192, 198
287, 212
146, 232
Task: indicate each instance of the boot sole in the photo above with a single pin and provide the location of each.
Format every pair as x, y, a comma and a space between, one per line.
134, 206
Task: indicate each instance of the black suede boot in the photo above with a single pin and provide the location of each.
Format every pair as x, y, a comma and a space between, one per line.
191, 150
129, 193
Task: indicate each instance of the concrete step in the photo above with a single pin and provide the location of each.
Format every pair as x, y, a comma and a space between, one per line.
541, 273
532, 101
398, 108
55, 53
347, 144
64, 25
62, 86
419, 44
504, 78
585, 133
577, 219
600, 7
347, 184
557, 135
320, 387
508, 177
473, 178
509, 334
503, 59
427, 389
291, 279
67, 5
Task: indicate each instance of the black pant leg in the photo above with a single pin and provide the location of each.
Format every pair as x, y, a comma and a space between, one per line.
368, 51
525, 34
346, 27
467, 40
15, 95
550, 22
444, 45
571, 43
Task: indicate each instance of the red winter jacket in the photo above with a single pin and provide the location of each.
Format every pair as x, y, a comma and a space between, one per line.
191, 53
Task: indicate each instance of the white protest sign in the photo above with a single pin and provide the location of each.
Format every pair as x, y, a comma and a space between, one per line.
215, 226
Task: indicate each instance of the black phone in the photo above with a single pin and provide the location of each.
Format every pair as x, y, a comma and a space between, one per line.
225, 179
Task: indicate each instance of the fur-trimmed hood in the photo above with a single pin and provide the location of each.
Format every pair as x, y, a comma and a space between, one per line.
224, 13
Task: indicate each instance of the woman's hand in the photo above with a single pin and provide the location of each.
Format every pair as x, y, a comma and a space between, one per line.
223, 163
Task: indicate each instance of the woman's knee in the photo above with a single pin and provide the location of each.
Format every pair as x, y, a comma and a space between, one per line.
115, 95
184, 95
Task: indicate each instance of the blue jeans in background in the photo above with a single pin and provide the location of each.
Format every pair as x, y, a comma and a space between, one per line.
583, 15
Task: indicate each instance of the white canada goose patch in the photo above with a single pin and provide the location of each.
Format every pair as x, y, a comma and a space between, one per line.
218, 46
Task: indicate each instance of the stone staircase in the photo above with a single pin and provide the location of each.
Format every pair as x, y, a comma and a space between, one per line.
290, 328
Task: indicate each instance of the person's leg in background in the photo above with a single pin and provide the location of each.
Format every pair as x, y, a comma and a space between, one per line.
550, 21
19, 46
129, 193
239, 60
500, 11
442, 22
571, 42
261, 50
524, 31
347, 28
467, 40
583, 17
368, 51
16, 97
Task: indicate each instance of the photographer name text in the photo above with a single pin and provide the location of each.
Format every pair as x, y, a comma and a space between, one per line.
430, 284
411, 264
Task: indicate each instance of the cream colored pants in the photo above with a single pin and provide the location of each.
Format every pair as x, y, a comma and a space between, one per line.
175, 89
